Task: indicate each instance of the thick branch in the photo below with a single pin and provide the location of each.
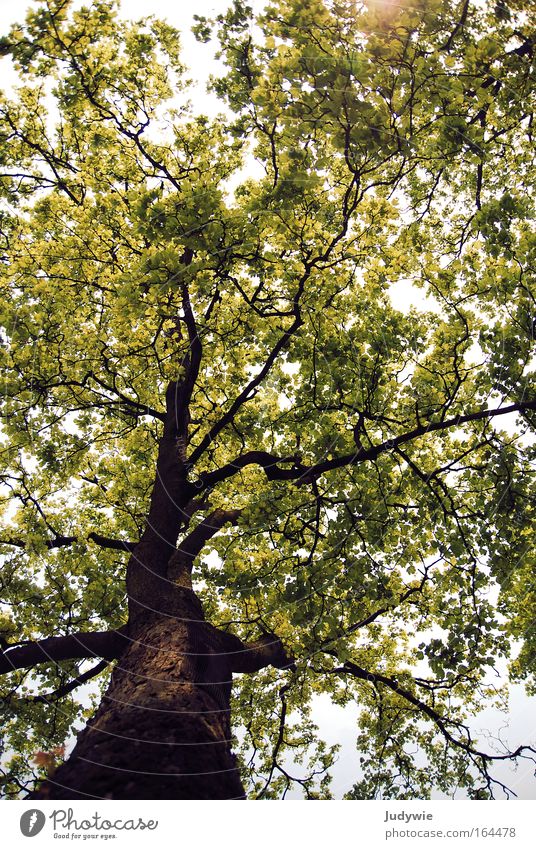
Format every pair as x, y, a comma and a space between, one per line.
305, 474
105, 644
179, 392
250, 657
171, 492
58, 542
194, 542
108, 542
170, 495
181, 562
196, 348
260, 458
61, 542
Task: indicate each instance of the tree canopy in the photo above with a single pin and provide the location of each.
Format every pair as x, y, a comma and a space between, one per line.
360, 470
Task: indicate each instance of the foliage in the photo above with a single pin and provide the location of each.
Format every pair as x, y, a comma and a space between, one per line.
388, 540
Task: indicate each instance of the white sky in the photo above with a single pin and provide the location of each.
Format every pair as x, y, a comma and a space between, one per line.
336, 724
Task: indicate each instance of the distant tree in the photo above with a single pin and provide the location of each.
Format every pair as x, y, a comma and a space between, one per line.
225, 449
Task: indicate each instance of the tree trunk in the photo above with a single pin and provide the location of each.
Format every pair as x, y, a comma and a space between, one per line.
162, 730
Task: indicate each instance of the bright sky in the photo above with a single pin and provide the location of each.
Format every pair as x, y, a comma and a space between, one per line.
336, 725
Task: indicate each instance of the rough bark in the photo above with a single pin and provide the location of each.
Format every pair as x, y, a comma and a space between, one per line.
162, 730
106, 644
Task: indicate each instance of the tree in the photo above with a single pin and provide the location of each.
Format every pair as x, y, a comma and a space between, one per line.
226, 450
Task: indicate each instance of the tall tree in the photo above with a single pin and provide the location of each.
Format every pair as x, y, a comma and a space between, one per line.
226, 449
